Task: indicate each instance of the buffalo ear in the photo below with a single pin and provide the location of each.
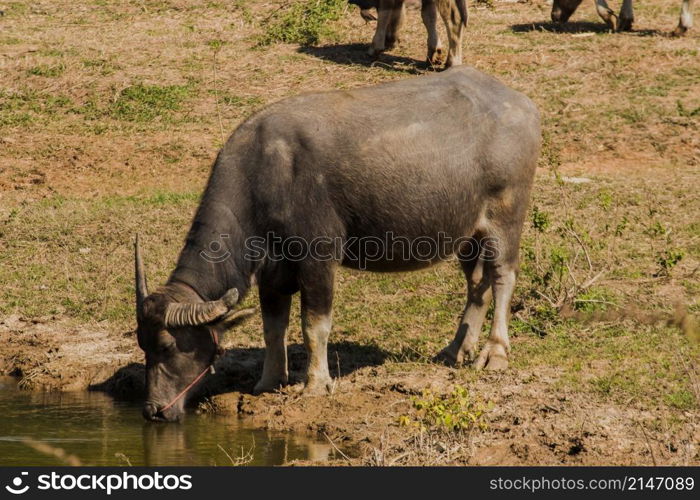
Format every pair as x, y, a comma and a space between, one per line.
235, 318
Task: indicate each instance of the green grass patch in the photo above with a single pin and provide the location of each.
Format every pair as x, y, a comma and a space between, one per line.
305, 22
47, 70
23, 107
146, 103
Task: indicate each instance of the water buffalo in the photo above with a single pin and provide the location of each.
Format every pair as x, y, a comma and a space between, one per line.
563, 9
444, 161
390, 15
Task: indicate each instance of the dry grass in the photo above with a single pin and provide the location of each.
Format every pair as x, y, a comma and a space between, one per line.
111, 113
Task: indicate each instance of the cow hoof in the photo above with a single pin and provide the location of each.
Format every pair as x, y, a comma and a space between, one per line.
679, 31
492, 357
448, 357
436, 57
374, 53
390, 43
268, 386
624, 24
318, 387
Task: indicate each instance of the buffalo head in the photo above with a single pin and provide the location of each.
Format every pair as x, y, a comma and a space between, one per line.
178, 333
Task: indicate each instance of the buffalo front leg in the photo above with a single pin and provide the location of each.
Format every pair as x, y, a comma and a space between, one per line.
626, 18
686, 20
428, 13
454, 24
275, 314
385, 13
606, 13
316, 319
463, 347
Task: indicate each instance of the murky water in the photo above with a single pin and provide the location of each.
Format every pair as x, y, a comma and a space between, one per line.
100, 431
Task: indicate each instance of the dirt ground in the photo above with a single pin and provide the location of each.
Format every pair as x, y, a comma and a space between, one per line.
112, 112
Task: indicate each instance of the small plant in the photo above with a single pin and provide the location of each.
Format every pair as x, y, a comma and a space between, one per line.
453, 412
667, 260
304, 22
682, 399
47, 71
605, 199
540, 220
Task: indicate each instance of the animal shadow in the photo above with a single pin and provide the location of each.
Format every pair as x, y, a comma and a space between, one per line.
240, 368
128, 383
351, 54
573, 27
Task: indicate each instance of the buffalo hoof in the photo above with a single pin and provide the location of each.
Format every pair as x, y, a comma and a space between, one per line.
318, 387
449, 357
268, 386
492, 357
374, 53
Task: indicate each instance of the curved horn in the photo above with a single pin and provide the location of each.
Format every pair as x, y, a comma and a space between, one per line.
141, 285
179, 314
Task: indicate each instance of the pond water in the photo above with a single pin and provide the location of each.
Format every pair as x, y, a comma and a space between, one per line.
98, 430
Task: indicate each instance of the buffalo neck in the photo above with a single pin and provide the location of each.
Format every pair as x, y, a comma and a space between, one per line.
213, 259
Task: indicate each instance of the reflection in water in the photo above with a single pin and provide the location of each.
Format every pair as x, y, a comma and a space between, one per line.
101, 431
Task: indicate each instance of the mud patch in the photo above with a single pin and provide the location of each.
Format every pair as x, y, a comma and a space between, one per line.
531, 422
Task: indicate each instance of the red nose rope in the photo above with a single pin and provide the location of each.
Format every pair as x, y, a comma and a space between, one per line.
210, 368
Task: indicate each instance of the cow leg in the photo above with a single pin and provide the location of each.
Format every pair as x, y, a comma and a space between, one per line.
392, 33
626, 16
686, 20
453, 23
275, 315
428, 12
606, 13
316, 283
463, 347
384, 15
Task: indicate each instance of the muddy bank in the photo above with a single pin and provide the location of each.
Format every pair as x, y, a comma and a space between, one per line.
52, 354
532, 420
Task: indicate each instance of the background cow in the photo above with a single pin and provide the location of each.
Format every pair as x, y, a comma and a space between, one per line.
390, 15
563, 9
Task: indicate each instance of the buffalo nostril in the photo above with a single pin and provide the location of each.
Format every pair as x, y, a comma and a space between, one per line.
150, 411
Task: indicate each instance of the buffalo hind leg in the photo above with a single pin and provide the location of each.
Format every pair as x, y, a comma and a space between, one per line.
464, 346
686, 20
429, 14
316, 285
275, 315
494, 355
454, 25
